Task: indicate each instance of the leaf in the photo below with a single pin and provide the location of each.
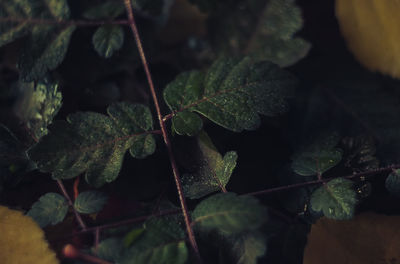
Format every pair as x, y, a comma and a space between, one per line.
317, 158
47, 44
371, 31
163, 242
94, 143
44, 51
368, 238
264, 30
247, 248
38, 105
392, 183
90, 202
22, 240
336, 199
231, 94
229, 214
214, 172
109, 249
132, 236
49, 210
108, 39
106, 10
155, 8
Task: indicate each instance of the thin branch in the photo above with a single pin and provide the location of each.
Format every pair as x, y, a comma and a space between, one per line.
321, 181
127, 221
70, 203
81, 23
167, 142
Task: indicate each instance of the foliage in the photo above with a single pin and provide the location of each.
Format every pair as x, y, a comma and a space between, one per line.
95, 143
231, 94
90, 202
50, 209
336, 199
213, 173
234, 125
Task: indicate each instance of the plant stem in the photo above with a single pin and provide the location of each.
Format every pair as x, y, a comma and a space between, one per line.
167, 142
81, 23
127, 221
70, 203
322, 181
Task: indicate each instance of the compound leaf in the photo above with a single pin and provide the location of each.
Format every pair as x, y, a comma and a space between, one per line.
90, 202
47, 44
214, 171
264, 30
108, 39
49, 210
336, 199
94, 143
393, 182
318, 157
231, 94
229, 213
163, 242
38, 105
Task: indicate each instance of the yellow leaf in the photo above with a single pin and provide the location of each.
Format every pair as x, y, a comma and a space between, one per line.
21, 240
371, 29
368, 238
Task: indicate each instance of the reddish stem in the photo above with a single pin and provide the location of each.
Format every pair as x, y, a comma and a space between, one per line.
76, 185
167, 142
70, 203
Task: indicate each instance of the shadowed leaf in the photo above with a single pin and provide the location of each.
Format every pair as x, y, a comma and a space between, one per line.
336, 199
229, 214
163, 242
49, 210
108, 39
94, 143
214, 172
90, 202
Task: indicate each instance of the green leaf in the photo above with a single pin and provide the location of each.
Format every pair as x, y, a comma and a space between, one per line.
106, 10
247, 248
264, 30
392, 182
318, 157
47, 44
132, 236
9, 31
231, 94
94, 143
109, 249
336, 199
49, 210
163, 242
229, 213
90, 202
108, 39
44, 51
214, 171
38, 105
